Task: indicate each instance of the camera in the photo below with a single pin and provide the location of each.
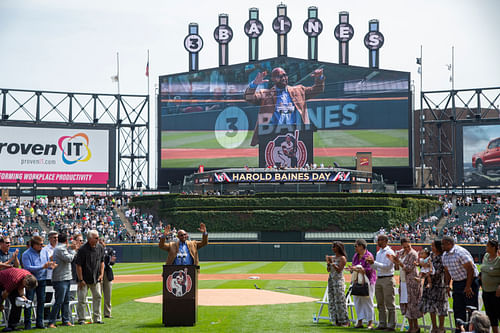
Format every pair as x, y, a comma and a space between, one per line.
23, 303
460, 323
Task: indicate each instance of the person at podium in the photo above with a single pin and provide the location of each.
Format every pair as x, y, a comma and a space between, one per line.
282, 104
183, 251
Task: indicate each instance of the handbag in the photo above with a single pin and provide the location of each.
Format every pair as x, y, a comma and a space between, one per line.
359, 285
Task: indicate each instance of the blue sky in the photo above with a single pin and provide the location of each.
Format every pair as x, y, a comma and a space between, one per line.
71, 45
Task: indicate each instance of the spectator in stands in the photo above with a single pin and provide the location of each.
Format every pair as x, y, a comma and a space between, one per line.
107, 281
61, 279
490, 282
183, 252
435, 298
410, 289
337, 307
459, 267
384, 288
36, 262
90, 271
5, 257
364, 304
13, 282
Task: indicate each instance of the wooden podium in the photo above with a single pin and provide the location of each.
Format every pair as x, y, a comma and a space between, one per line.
180, 295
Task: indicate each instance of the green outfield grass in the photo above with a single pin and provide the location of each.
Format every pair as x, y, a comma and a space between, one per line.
132, 316
362, 138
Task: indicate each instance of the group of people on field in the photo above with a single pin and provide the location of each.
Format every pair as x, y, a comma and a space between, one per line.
59, 264
426, 279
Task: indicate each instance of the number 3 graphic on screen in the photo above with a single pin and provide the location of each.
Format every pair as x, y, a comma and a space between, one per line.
231, 127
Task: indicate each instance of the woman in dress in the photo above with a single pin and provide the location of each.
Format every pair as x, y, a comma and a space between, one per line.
337, 307
490, 280
434, 298
364, 304
410, 291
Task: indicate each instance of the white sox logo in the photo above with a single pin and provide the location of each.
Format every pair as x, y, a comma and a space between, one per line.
286, 151
179, 283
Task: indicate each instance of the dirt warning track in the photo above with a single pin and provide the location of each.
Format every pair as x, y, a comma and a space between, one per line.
181, 153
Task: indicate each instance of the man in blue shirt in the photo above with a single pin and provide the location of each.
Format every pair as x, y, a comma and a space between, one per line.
282, 104
183, 252
36, 263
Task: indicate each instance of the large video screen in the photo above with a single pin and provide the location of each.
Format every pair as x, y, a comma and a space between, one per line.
210, 117
481, 155
63, 156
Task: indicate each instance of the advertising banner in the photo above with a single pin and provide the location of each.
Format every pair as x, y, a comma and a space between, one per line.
299, 176
54, 155
481, 155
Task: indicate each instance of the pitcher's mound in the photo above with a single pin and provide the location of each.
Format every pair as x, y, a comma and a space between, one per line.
234, 297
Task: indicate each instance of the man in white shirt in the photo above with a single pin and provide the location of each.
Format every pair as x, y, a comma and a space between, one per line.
384, 287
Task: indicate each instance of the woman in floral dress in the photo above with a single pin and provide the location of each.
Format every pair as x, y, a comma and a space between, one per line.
434, 298
410, 287
337, 307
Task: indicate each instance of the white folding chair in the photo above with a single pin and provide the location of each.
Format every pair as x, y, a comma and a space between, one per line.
323, 302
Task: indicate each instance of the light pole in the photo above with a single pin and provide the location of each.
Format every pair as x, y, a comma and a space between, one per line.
422, 129
34, 189
18, 188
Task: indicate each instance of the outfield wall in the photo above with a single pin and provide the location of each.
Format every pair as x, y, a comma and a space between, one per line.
279, 251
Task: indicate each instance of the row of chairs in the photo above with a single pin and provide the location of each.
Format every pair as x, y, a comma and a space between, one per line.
49, 303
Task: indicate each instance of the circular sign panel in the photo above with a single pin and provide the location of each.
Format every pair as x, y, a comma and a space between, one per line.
344, 32
254, 28
193, 43
231, 127
374, 40
223, 34
282, 25
313, 27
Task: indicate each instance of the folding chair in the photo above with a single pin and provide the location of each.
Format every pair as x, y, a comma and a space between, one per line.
323, 302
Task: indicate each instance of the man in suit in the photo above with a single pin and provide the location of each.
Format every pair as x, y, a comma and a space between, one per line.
184, 251
107, 281
282, 104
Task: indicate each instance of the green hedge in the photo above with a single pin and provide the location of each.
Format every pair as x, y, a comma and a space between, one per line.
289, 220
246, 208
288, 211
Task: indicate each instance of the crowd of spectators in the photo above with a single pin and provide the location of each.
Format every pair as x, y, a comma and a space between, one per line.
474, 220
18, 221
468, 219
72, 215
423, 230
146, 231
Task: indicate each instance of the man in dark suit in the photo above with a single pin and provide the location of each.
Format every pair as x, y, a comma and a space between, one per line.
282, 104
107, 281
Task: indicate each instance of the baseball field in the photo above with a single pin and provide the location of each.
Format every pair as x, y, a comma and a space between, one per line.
294, 286
389, 148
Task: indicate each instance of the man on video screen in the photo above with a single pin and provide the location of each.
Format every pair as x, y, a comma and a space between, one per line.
282, 104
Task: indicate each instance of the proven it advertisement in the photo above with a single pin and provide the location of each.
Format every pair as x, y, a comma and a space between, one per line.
54, 155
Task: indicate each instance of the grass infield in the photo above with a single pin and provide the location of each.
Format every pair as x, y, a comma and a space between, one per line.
131, 316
